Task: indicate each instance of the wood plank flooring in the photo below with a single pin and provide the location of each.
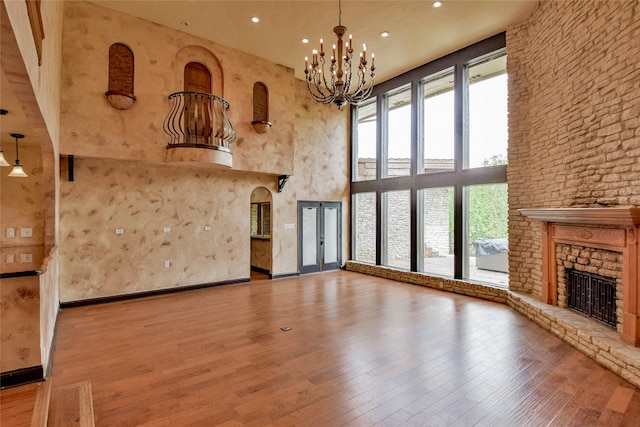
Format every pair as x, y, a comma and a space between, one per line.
362, 351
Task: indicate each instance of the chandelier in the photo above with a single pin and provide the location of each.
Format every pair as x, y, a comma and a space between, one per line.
345, 81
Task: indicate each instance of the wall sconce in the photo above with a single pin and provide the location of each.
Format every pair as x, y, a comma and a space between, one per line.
17, 171
282, 180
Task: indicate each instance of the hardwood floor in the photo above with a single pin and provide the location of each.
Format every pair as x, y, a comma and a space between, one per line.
361, 351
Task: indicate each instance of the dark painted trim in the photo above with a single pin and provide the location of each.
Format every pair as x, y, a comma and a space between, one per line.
153, 293
70, 168
260, 270
283, 275
19, 274
21, 376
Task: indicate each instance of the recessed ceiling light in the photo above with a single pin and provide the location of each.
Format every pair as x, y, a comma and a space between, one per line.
305, 40
437, 4
384, 34
255, 19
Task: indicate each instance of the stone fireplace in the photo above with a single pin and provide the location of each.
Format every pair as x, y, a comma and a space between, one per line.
597, 232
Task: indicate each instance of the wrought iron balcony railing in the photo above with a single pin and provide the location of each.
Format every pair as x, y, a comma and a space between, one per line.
199, 120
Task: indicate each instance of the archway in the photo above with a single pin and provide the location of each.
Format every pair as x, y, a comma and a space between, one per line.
260, 220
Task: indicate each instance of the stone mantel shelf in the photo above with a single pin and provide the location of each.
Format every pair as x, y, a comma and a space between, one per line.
624, 217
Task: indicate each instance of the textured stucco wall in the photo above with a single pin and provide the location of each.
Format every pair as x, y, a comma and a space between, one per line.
22, 206
20, 320
574, 118
22, 199
37, 88
92, 127
119, 185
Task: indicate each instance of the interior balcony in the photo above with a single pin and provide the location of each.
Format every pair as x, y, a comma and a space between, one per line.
199, 129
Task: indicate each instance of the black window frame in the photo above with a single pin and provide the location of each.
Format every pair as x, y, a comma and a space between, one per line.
459, 178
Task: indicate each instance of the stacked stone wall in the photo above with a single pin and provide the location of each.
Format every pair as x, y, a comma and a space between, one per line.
574, 118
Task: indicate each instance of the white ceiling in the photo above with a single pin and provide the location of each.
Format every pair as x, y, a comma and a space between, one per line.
419, 32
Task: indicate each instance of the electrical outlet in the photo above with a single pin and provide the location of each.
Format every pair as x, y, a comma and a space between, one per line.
11, 232
167, 264
207, 228
119, 230
26, 258
10, 259
166, 229
25, 232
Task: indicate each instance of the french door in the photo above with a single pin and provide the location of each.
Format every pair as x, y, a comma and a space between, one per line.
319, 236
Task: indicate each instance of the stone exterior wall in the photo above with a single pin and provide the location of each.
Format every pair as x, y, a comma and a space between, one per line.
436, 218
574, 118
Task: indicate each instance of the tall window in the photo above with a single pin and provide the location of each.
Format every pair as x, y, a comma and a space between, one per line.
437, 128
435, 194
365, 146
364, 229
398, 133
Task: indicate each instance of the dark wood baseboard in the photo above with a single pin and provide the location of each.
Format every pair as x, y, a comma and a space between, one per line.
19, 274
283, 275
21, 376
260, 270
152, 293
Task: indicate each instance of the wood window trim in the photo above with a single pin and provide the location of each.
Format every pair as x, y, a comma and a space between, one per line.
37, 27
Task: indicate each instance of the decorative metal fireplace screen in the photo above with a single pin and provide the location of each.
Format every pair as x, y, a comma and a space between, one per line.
592, 295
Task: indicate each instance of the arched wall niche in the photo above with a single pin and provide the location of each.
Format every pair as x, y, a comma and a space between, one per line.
205, 57
121, 76
260, 121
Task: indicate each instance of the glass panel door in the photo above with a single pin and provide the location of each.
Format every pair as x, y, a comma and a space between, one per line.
330, 235
309, 236
320, 236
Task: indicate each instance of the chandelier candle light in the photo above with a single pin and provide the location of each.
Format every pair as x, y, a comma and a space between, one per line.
338, 89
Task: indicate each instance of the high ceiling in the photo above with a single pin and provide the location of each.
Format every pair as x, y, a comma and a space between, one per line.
418, 31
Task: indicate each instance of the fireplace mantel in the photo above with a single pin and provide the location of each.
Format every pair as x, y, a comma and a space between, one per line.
624, 217
613, 229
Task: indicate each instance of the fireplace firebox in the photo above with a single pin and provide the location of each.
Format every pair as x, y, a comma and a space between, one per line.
592, 295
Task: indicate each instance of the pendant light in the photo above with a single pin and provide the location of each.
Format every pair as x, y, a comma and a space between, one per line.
17, 171
3, 161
